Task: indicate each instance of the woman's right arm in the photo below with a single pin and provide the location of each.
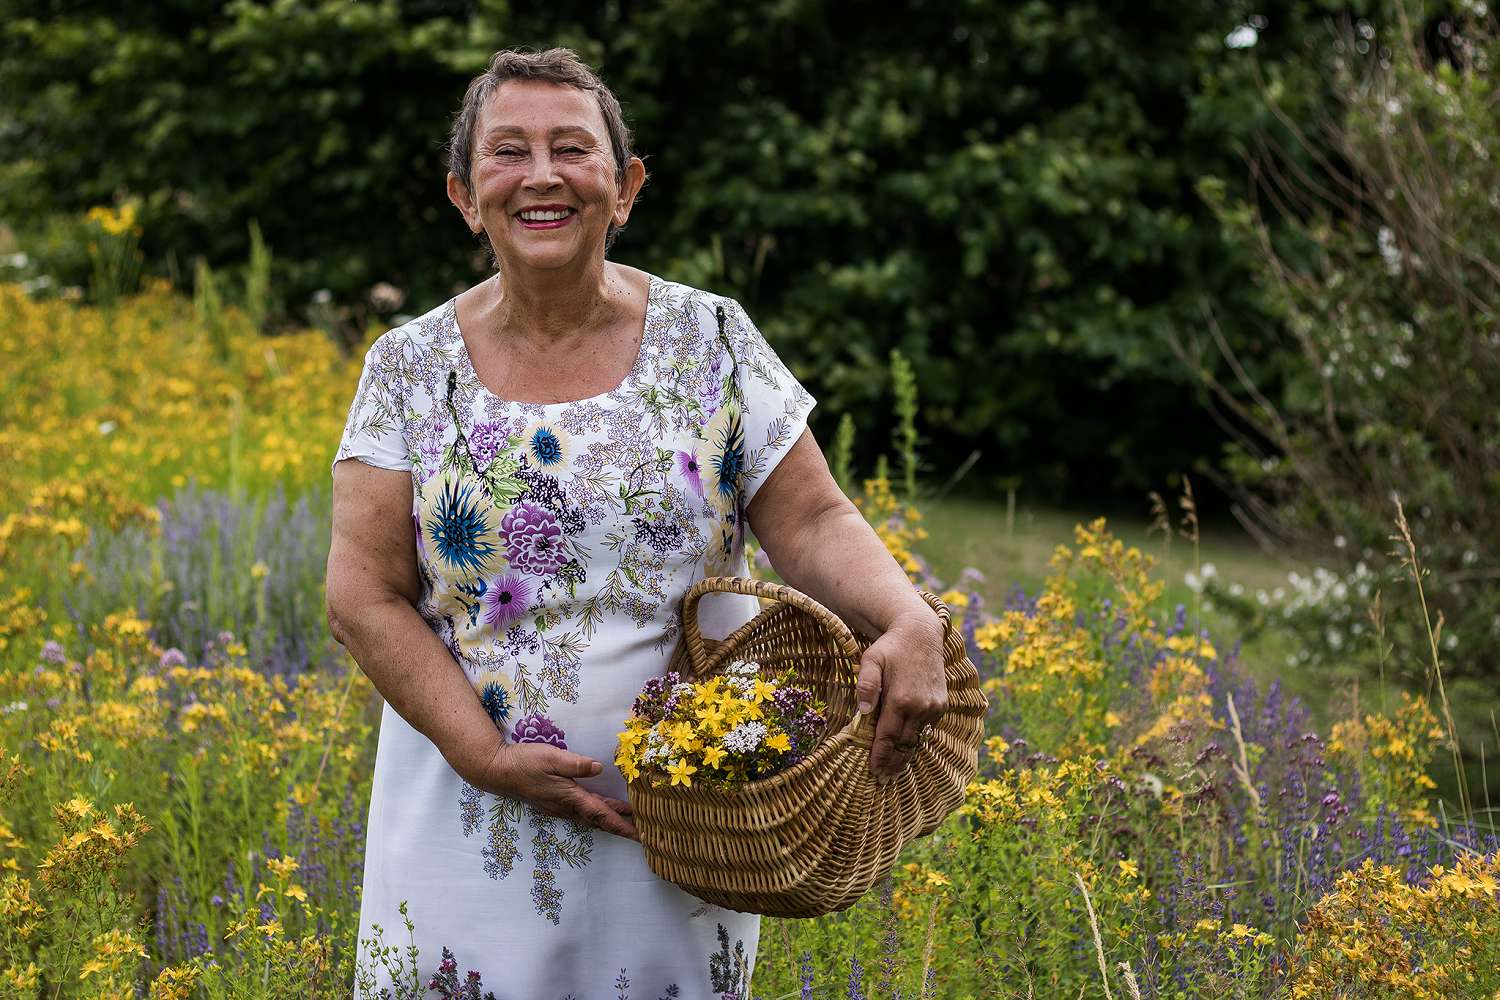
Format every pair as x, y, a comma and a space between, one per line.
372, 592
373, 588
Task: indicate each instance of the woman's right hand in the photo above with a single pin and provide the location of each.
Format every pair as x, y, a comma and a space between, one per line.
546, 776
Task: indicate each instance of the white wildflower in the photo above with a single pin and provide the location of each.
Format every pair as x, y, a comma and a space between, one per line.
745, 738
744, 668
1243, 37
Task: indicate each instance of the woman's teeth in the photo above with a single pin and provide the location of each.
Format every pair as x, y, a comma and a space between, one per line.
545, 216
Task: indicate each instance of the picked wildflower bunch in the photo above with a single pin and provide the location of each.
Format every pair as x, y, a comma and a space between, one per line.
732, 728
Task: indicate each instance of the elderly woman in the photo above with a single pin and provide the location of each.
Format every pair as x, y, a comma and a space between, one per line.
543, 465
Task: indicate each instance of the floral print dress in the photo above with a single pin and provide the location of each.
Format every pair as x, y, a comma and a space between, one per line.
555, 542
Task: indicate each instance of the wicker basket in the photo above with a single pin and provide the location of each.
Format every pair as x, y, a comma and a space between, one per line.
814, 838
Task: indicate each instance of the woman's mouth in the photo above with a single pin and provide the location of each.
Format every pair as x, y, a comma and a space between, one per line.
545, 218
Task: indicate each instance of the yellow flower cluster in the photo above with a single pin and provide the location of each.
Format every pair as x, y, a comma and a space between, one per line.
1126, 567
1044, 794
116, 221
103, 411
898, 527
1368, 935
1392, 755
1051, 669
691, 739
91, 843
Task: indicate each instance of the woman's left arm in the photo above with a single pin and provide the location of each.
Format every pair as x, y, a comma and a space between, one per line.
820, 544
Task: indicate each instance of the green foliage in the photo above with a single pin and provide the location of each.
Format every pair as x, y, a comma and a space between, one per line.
1002, 192
904, 388
258, 303
1386, 294
841, 456
210, 308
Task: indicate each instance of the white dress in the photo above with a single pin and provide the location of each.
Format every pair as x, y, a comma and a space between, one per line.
555, 542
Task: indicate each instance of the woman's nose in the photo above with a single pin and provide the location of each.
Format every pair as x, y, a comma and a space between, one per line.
542, 174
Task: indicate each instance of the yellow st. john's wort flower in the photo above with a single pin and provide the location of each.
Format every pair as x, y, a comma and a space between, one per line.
682, 735
680, 771
713, 755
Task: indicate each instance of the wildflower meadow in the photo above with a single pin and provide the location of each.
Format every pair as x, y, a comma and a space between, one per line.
185, 755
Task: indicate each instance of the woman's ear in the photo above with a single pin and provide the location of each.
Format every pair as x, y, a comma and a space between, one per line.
635, 177
458, 193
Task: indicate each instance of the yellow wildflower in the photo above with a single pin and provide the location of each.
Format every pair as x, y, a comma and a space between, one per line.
680, 771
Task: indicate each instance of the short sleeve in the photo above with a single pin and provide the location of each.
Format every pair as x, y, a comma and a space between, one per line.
374, 432
776, 405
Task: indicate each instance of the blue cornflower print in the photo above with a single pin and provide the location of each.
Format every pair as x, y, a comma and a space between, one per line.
721, 458
498, 698
460, 528
547, 445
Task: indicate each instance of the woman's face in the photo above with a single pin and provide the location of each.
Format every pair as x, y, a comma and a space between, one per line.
543, 146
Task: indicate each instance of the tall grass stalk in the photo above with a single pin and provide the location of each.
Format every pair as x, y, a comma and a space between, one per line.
904, 387
842, 455
1413, 564
258, 279
1098, 942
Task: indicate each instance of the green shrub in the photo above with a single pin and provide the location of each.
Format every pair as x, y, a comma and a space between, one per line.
1387, 294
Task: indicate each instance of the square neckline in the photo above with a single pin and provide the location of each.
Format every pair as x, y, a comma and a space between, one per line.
653, 296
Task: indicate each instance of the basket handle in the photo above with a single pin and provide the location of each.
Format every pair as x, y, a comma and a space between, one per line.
861, 726
703, 661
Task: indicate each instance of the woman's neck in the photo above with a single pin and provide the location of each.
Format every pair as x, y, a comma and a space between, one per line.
550, 306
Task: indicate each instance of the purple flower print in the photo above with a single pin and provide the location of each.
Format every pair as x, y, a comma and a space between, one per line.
709, 392
687, 467
432, 456
485, 439
533, 539
537, 728
416, 526
506, 600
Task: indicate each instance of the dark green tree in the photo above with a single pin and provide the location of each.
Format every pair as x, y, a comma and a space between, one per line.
1002, 192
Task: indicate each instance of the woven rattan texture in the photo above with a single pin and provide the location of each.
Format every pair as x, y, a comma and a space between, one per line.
815, 837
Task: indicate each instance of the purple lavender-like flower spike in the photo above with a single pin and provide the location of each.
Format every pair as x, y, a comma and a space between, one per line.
856, 979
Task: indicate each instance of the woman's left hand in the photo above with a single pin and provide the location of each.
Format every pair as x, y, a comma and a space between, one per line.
901, 674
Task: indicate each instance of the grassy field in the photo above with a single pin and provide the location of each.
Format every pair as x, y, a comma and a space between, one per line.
972, 531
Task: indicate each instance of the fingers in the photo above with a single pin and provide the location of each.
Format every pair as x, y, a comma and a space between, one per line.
598, 811
867, 688
620, 806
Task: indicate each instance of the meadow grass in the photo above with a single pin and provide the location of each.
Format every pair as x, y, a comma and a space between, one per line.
184, 764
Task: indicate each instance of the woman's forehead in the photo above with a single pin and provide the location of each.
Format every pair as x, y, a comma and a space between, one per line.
525, 107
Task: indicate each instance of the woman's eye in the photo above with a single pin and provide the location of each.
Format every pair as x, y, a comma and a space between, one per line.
571, 149
508, 151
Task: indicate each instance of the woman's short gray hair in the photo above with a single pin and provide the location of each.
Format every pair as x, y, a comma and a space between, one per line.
556, 65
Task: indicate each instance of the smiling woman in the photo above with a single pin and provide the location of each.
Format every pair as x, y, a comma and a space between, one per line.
544, 464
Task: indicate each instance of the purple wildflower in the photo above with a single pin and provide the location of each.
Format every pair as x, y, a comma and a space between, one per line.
507, 599
485, 439
52, 652
537, 728
173, 657
533, 539
687, 467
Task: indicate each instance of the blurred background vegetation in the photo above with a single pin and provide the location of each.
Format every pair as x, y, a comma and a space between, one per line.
1249, 243
1004, 191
